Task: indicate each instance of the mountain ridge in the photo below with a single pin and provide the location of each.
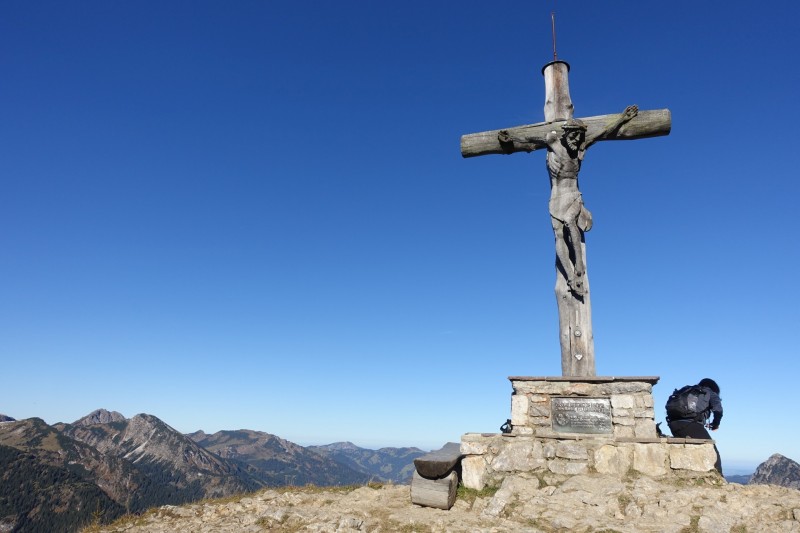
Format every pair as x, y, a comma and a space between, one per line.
287, 463
104, 465
384, 464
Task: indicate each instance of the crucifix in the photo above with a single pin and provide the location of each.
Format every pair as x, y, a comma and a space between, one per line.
566, 140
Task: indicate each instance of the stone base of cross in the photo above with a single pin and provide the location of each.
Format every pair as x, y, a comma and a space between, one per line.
566, 140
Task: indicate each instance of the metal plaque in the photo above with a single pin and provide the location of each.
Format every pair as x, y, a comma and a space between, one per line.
581, 415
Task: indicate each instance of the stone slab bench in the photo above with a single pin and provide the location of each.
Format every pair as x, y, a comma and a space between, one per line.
438, 463
435, 479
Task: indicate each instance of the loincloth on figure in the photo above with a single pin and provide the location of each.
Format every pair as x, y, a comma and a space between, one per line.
568, 209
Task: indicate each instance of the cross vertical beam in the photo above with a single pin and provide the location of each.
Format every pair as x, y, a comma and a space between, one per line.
574, 311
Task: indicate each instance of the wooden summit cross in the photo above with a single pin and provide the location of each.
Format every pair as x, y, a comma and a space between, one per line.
566, 140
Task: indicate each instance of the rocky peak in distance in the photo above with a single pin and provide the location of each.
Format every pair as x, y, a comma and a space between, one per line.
777, 470
100, 416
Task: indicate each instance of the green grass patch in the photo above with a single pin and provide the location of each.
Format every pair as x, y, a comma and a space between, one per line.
470, 495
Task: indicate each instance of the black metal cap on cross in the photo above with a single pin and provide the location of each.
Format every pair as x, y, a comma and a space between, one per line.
566, 140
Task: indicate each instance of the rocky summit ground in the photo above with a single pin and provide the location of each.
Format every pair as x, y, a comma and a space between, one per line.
583, 504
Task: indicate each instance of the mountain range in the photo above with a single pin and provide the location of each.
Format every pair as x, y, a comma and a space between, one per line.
64, 476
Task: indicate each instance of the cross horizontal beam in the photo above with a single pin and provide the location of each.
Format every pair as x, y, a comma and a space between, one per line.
651, 123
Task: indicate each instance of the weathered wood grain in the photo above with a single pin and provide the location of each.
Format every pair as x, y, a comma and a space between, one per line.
438, 493
649, 123
575, 327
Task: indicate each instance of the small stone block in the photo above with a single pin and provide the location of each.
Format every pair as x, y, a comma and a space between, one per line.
519, 410
622, 401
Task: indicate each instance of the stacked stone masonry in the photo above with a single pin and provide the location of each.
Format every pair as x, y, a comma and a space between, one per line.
490, 458
623, 439
631, 401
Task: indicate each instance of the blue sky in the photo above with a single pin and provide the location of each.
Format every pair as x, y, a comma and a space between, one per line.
256, 215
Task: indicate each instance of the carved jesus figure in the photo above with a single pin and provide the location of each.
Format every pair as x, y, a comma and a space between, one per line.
568, 215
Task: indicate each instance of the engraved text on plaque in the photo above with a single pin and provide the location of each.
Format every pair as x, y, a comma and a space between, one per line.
581, 415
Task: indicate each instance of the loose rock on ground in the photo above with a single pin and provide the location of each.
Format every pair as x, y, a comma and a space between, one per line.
583, 504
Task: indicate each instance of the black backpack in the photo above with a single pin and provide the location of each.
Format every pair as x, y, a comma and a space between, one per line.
688, 403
